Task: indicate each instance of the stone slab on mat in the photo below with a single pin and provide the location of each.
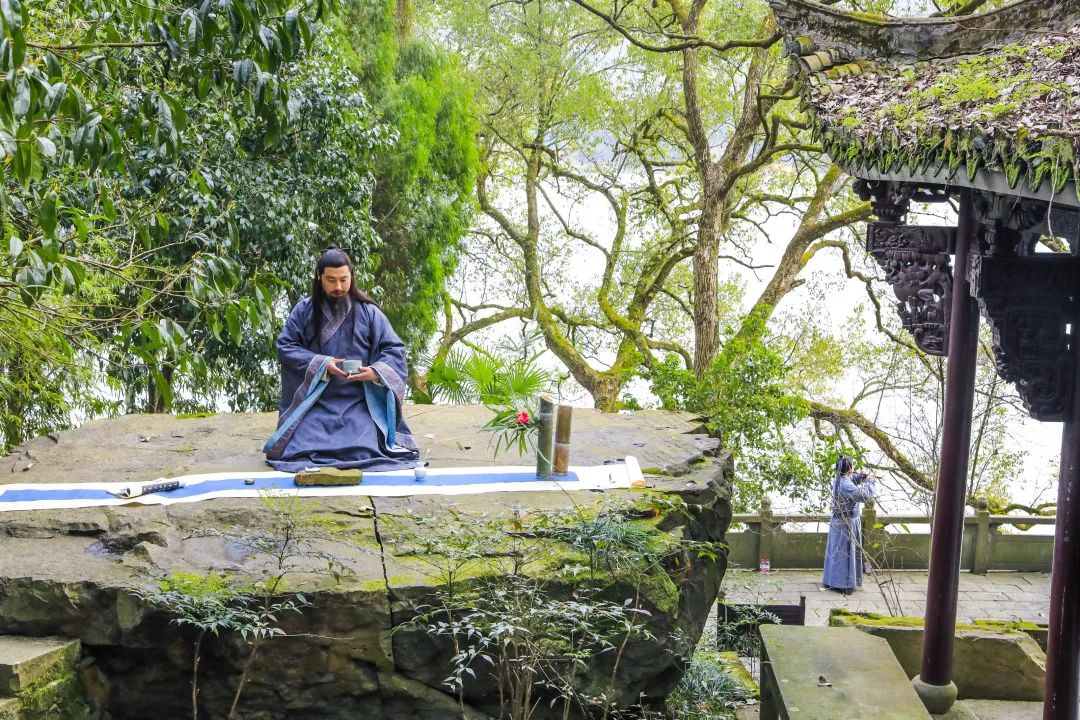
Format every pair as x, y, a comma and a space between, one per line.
1002, 709
987, 664
24, 660
862, 677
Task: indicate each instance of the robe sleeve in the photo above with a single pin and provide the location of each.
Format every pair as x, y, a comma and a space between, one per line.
299, 365
303, 375
387, 359
387, 353
859, 493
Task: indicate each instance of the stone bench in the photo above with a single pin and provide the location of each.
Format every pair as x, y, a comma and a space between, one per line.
861, 676
37, 678
990, 661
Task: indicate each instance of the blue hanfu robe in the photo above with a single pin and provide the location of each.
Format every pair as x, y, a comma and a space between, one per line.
324, 420
843, 550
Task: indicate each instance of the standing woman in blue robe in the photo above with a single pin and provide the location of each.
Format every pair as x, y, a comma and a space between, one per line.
844, 551
333, 413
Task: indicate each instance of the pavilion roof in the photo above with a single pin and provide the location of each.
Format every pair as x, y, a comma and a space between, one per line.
971, 100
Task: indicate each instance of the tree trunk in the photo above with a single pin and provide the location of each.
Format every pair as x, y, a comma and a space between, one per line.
605, 393
403, 19
706, 269
155, 402
798, 252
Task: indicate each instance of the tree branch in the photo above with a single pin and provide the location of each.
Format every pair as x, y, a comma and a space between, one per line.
849, 418
689, 43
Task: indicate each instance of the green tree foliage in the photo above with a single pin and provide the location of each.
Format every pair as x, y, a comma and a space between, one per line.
94, 107
269, 210
169, 173
422, 204
750, 407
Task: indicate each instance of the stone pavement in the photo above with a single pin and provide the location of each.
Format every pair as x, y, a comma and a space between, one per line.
997, 595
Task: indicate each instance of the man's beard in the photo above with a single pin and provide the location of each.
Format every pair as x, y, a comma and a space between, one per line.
338, 304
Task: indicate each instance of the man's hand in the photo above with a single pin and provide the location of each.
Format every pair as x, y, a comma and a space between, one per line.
333, 368
365, 375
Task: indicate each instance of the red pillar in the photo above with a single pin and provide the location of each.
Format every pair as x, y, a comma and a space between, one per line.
1063, 639
934, 682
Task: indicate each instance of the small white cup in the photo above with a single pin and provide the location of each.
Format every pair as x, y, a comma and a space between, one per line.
352, 366
421, 472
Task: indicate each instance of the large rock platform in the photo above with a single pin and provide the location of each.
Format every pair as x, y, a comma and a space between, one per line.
71, 573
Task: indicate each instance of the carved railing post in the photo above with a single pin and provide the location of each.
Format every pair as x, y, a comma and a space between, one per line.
982, 537
765, 540
873, 537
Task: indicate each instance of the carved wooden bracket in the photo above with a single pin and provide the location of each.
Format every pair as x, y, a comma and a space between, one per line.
1029, 298
1028, 302
916, 263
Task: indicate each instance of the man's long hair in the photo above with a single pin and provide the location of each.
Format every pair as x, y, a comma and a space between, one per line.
333, 257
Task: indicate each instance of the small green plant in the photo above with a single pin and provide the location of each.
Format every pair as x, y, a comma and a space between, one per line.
608, 539
484, 376
739, 632
209, 603
535, 603
506, 380
250, 604
535, 644
514, 424
705, 692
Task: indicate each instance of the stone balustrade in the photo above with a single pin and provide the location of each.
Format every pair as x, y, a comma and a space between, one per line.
898, 542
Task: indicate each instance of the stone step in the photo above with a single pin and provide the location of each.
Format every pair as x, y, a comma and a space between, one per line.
1003, 709
9, 708
25, 660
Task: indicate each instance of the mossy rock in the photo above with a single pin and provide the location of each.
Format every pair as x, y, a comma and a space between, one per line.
734, 667
56, 696
1037, 632
992, 660
350, 652
25, 661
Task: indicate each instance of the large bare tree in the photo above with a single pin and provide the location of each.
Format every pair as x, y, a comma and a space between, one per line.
563, 130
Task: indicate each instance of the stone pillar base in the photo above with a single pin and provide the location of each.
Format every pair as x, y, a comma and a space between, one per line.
936, 698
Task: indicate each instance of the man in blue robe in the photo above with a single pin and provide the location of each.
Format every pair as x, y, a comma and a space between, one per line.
843, 550
335, 412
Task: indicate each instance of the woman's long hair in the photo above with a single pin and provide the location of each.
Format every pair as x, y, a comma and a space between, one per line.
333, 257
844, 465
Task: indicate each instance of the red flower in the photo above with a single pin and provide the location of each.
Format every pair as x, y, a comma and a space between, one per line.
523, 418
